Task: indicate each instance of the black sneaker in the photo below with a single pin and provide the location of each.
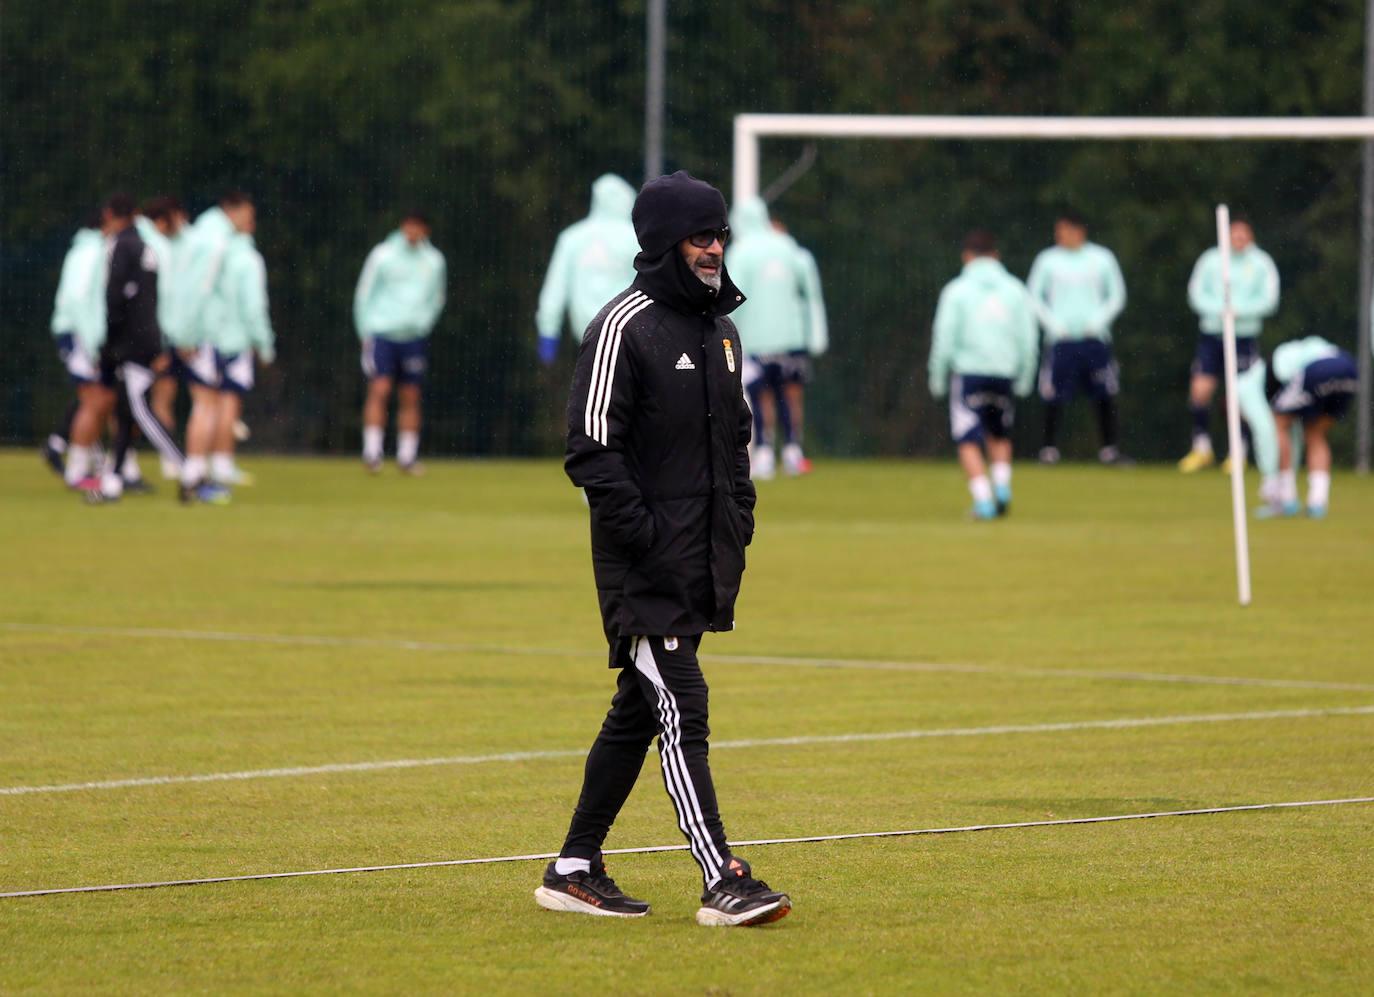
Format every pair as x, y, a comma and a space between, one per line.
740, 900
138, 487
591, 892
54, 458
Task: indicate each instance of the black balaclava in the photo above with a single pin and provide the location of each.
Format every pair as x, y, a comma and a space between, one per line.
668, 210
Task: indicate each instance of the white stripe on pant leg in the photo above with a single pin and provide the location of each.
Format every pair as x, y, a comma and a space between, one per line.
676, 780
672, 747
138, 404
672, 778
674, 751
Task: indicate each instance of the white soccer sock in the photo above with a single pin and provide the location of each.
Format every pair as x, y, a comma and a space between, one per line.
407, 446
372, 443
193, 470
78, 463
1202, 444
1288, 486
170, 470
1318, 489
980, 488
131, 471
57, 443
222, 467
566, 867
1001, 473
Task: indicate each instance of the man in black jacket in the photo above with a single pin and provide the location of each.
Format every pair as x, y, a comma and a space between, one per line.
133, 341
658, 435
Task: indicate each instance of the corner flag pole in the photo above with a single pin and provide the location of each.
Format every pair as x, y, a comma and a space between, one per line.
1234, 444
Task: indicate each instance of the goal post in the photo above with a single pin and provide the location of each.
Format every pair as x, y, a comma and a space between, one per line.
751, 129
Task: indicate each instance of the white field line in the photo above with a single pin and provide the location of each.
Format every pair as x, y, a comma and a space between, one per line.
1124, 723
862, 664
651, 849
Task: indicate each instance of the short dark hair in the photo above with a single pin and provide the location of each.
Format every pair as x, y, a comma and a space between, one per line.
233, 197
91, 219
121, 205
416, 215
1073, 217
1239, 217
161, 207
980, 242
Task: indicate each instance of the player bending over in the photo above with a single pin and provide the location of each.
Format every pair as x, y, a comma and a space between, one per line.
1311, 384
982, 351
399, 296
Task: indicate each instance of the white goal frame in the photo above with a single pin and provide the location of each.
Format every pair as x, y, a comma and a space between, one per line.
750, 129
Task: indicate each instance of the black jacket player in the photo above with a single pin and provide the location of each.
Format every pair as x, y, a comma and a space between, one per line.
658, 432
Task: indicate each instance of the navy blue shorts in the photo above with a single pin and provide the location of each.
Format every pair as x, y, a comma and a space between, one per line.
1076, 365
1324, 388
235, 371
81, 367
777, 369
196, 367
1208, 359
980, 407
405, 362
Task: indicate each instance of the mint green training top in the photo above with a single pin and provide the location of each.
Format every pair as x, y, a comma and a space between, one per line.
783, 311
985, 325
1078, 293
1254, 290
79, 305
401, 290
593, 261
236, 312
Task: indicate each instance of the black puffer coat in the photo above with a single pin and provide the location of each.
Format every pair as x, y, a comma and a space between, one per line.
658, 432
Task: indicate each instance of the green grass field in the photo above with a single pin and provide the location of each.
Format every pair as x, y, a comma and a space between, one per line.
330, 618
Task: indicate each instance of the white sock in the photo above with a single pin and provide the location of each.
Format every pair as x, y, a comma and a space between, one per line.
1202, 444
131, 471
566, 867
980, 488
170, 470
1318, 488
407, 446
57, 443
78, 463
193, 470
372, 443
1001, 473
222, 467
1288, 486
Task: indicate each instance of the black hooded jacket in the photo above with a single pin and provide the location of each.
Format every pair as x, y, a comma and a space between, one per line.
658, 432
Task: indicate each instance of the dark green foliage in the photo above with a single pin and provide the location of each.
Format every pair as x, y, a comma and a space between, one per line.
496, 116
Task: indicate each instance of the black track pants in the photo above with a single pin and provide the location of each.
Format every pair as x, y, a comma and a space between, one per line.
662, 693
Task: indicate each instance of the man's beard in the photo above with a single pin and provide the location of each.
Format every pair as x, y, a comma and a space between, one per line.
711, 278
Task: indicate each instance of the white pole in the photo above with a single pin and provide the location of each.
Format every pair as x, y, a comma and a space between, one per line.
1234, 445
746, 179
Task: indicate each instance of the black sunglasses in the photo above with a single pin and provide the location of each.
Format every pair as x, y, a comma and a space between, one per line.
703, 240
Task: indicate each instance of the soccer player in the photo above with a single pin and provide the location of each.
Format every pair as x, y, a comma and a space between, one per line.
1078, 292
983, 351
399, 296
593, 261
133, 341
78, 327
658, 435
1254, 297
240, 328
784, 324
1312, 383
199, 309
161, 224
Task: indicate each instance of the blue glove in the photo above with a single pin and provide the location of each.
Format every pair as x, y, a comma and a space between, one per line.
548, 349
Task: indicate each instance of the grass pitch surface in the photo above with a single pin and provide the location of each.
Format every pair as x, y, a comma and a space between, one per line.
363, 620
